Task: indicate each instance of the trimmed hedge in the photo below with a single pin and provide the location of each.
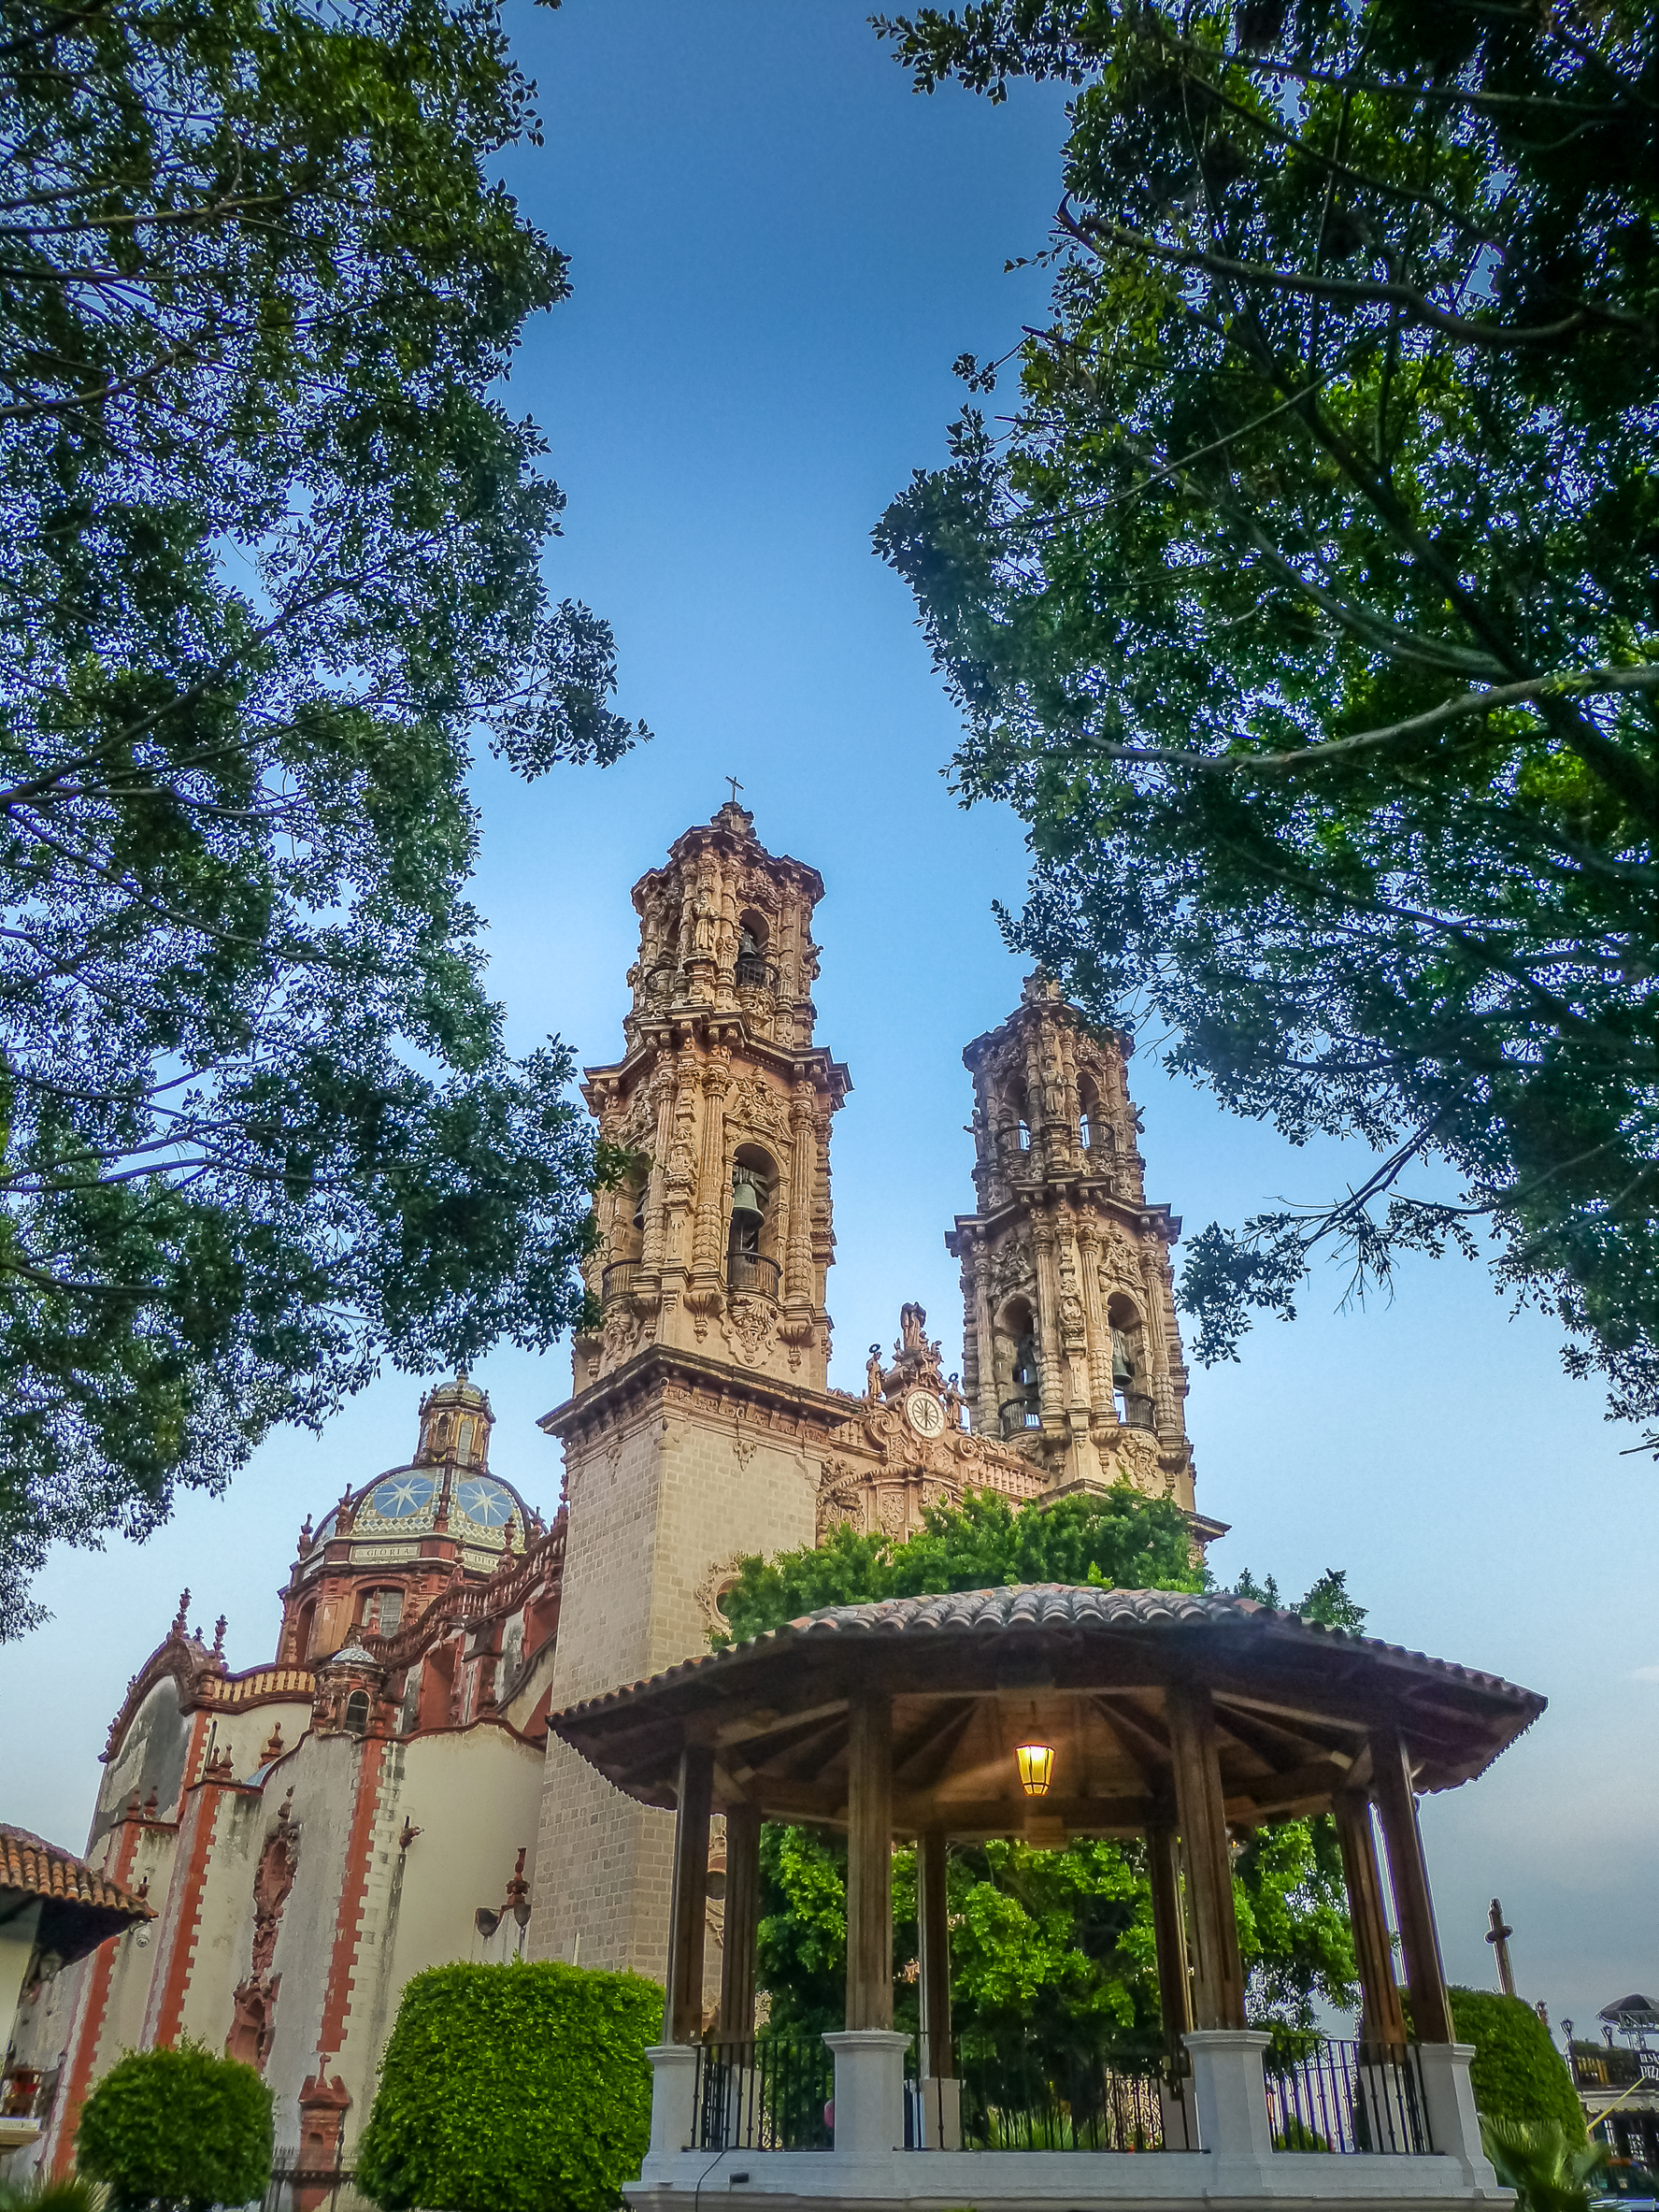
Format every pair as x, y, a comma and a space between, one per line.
513, 2089
1517, 2071
177, 2127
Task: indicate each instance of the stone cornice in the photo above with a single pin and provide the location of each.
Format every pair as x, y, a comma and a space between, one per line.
660, 1367
1082, 1189
660, 1031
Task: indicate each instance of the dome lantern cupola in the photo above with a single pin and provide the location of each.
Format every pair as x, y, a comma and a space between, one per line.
455, 1424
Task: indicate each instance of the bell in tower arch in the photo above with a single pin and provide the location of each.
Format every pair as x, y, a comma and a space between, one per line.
746, 1210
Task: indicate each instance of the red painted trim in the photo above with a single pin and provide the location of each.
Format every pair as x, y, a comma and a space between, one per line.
336, 2000
184, 1896
88, 2030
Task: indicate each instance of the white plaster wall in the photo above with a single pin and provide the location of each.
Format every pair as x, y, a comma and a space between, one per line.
224, 1922
473, 1794
19, 1916
323, 1774
151, 1756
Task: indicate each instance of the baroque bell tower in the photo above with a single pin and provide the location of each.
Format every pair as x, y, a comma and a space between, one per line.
699, 1417
1070, 1348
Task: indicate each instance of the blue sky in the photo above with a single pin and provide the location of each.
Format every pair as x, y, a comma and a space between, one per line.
778, 251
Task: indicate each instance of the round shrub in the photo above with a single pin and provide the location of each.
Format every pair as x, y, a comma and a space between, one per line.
178, 2128
513, 2089
1517, 2071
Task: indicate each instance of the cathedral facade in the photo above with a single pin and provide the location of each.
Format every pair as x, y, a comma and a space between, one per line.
384, 1795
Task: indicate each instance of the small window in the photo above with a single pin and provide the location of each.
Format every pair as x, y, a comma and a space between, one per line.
381, 1612
464, 1436
357, 1711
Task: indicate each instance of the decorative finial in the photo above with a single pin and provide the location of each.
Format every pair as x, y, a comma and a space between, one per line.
219, 1628
182, 1614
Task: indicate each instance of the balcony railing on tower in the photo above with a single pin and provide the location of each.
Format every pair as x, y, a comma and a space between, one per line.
1018, 1415
752, 1271
754, 973
618, 1280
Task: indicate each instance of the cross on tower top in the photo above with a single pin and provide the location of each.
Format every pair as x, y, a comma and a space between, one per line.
735, 787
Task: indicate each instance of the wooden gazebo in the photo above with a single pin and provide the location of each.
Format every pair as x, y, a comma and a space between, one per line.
1175, 1718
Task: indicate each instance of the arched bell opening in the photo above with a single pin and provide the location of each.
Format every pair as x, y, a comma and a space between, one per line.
1092, 1128
626, 1240
756, 970
1019, 1376
751, 1238
299, 1649
1016, 1126
1131, 1370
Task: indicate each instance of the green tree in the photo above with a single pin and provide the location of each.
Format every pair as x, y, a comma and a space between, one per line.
1517, 2073
271, 551
1059, 1943
1302, 604
513, 2089
178, 2128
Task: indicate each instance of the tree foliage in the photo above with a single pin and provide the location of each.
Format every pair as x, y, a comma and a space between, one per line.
1121, 1540
1517, 2073
1058, 1945
1302, 605
271, 554
513, 2089
178, 2128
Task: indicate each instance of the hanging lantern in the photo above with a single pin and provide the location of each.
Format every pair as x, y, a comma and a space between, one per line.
1037, 1768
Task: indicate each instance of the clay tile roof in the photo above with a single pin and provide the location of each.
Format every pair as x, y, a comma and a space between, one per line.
30, 1863
1014, 1606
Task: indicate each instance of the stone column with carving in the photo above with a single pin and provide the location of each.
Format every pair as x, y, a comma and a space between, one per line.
798, 1284
1100, 1396
712, 1205
1047, 1322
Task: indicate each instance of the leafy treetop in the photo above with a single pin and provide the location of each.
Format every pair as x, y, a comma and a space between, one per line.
271, 544
1302, 603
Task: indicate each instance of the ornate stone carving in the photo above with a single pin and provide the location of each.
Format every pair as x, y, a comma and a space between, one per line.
894, 1511
253, 2021
751, 1326
713, 1588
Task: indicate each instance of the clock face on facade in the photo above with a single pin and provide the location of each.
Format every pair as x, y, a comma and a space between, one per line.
925, 1414
403, 1495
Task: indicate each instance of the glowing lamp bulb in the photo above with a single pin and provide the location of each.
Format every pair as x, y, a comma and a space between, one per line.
1037, 1768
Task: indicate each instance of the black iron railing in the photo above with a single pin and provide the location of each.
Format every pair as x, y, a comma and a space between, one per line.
1019, 1413
752, 1270
618, 1280
1349, 2097
1012, 2093
755, 974
768, 2093
296, 2182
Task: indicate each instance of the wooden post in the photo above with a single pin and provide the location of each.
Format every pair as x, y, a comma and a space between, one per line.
1218, 1977
688, 1909
933, 1918
1396, 1803
1382, 2020
1169, 1934
742, 1923
869, 1861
